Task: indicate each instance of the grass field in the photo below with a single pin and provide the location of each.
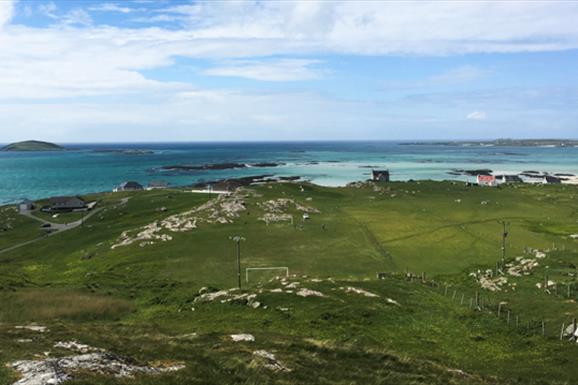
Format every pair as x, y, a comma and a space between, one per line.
137, 298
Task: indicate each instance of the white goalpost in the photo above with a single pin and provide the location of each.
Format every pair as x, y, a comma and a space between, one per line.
248, 269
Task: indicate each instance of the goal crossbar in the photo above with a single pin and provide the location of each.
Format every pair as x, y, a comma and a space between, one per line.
248, 269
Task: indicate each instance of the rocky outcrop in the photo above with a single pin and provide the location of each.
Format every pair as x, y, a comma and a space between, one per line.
52, 371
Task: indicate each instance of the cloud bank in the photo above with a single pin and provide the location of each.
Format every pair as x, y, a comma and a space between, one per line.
79, 71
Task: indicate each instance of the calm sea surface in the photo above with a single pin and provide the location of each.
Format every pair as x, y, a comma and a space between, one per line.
87, 168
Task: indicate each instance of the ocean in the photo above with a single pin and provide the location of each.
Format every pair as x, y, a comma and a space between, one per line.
86, 168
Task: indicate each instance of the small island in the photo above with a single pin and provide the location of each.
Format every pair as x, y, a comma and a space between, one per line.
32, 145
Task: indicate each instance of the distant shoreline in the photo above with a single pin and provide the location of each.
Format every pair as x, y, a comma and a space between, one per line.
545, 143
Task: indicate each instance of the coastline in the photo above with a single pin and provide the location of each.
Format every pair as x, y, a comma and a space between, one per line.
84, 169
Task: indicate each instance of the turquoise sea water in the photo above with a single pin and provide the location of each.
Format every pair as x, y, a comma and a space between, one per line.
85, 168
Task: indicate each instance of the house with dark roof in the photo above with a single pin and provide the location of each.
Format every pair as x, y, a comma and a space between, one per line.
549, 179
66, 203
129, 186
502, 179
380, 175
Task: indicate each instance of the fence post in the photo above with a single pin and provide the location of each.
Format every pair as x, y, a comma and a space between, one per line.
462, 300
446, 291
543, 328
562, 331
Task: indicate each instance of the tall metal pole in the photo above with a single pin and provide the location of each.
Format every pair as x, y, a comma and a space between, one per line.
237, 239
239, 263
504, 236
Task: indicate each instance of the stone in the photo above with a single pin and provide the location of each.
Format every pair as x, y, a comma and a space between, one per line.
242, 337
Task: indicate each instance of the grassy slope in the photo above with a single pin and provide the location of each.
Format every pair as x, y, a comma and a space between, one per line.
416, 226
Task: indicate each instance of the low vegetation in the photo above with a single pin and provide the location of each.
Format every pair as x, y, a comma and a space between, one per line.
438, 316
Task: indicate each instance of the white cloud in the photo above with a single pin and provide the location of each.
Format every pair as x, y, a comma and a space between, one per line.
110, 7
76, 17
75, 58
278, 70
48, 9
6, 12
477, 115
366, 27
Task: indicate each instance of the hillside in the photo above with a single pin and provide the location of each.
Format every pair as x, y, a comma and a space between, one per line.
150, 278
32, 145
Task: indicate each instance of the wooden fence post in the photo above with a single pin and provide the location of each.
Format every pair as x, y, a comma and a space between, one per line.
543, 328
562, 331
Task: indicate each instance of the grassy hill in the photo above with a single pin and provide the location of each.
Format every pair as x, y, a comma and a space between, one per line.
32, 145
128, 281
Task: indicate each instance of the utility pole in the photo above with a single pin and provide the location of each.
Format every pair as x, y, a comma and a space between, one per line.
238, 239
504, 236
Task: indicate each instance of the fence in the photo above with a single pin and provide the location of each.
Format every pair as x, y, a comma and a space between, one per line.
481, 301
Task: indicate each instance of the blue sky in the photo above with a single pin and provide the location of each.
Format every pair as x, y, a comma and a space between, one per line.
82, 71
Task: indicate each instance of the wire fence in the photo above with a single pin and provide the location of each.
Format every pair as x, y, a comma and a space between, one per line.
483, 302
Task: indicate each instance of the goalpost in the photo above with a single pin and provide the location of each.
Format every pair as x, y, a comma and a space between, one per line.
248, 269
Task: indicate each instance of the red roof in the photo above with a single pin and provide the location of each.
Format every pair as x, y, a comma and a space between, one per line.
486, 178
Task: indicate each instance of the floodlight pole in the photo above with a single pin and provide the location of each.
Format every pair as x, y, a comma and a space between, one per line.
237, 239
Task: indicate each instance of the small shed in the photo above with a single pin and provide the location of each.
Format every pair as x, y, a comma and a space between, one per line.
26, 205
380, 175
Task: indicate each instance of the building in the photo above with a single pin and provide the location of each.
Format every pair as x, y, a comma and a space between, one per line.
380, 175
486, 180
532, 178
548, 179
157, 184
72, 203
26, 205
129, 186
501, 179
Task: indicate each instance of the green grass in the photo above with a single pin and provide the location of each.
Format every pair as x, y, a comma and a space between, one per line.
15, 228
136, 300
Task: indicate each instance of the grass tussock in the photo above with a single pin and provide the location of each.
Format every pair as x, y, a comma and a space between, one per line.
39, 305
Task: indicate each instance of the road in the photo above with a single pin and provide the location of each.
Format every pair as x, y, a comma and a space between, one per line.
56, 228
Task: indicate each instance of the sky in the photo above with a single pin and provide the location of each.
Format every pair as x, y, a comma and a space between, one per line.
144, 71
